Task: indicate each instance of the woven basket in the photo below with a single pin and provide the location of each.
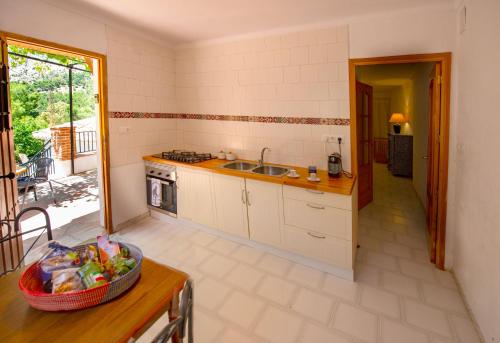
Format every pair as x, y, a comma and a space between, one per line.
32, 287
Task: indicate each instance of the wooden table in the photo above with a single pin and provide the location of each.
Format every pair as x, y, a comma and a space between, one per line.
125, 317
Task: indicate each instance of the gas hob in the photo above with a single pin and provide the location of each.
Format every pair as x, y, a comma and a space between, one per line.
185, 156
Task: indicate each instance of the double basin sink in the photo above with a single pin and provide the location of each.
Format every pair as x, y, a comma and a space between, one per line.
265, 169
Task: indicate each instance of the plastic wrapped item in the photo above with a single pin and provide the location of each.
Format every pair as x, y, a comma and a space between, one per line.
92, 275
118, 266
66, 280
90, 254
107, 248
58, 257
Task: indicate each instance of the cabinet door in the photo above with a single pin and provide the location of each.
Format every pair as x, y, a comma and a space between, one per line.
203, 211
195, 196
264, 201
230, 204
185, 203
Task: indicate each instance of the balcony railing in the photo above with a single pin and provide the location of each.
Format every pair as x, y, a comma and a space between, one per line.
86, 141
46, 151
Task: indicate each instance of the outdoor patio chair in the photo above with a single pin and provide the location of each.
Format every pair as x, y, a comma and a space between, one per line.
184, 319
9, 235
41, 175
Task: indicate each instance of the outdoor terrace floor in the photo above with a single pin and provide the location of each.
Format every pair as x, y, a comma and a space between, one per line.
75, 216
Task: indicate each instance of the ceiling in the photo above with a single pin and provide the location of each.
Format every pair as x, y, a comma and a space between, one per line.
386, 74
185, 21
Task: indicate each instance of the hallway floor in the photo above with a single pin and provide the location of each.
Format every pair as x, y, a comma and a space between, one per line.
245, 295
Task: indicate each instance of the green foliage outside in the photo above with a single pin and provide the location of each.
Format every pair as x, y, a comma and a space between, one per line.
40, 95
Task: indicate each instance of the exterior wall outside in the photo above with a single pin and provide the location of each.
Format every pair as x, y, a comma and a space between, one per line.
61, 142
83, 162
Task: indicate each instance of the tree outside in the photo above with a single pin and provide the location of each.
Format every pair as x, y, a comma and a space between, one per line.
40, 95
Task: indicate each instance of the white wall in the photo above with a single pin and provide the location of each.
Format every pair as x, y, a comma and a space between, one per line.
475, 214
141, 79
402, 33
41, 20
296, 74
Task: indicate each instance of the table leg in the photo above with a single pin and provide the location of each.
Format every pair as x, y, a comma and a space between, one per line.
173, 313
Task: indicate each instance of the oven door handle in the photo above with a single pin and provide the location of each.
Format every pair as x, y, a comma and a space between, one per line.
163, 182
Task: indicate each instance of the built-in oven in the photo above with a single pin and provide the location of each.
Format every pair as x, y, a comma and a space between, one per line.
161, 188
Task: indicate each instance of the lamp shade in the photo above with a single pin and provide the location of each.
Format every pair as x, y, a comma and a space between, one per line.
397, 118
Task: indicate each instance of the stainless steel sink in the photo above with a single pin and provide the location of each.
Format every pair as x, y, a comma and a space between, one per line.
271, 170
239, 165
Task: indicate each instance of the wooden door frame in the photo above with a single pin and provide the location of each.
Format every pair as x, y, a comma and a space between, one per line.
445, 60
55, 48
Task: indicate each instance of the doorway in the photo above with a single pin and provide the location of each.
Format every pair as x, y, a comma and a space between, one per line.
435, 160
68, 122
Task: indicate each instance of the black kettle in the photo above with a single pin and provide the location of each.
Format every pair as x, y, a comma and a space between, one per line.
334, 165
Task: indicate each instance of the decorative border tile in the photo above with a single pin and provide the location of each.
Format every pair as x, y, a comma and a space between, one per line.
255, 119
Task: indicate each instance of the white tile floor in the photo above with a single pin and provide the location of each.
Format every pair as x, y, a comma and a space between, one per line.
245, 295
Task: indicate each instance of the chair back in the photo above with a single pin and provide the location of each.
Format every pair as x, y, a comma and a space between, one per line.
42, 170
17, 233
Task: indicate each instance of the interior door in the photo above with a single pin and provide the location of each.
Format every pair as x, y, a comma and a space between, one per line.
11, 251
432, 158
364, 136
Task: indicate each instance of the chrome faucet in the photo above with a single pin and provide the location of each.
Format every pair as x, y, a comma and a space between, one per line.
261, 161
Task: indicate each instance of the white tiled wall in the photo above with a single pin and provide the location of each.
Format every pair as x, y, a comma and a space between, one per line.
141, 78
297, 74
300, 74
295, 144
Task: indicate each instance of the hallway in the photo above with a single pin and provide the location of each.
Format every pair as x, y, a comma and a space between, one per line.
393, 256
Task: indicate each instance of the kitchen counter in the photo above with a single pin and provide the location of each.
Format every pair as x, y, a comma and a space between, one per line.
342, 185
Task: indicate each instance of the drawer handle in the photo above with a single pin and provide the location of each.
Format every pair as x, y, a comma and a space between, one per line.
316, 236
314, 191
243, 196
248, 198
316, 206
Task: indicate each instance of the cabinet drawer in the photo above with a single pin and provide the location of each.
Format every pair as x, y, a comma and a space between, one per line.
320, 218
318, 197
328, 249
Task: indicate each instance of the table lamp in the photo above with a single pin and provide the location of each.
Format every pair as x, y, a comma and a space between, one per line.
397, 119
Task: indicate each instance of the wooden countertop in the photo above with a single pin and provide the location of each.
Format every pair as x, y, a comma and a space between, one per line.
342, 185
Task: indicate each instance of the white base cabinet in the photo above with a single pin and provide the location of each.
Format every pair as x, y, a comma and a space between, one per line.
317, 225
230, 204
195, 196
320, 225
265, 208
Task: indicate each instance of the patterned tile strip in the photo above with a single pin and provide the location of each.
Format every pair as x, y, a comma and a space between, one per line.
255, 119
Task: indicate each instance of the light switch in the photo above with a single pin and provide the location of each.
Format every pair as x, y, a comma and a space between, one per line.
124, 129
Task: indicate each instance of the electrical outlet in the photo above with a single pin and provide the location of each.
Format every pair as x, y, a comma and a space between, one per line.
331, 138
123, 129
326, 138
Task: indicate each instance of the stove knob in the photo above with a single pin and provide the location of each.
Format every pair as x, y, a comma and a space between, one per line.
151, 172
159, 173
